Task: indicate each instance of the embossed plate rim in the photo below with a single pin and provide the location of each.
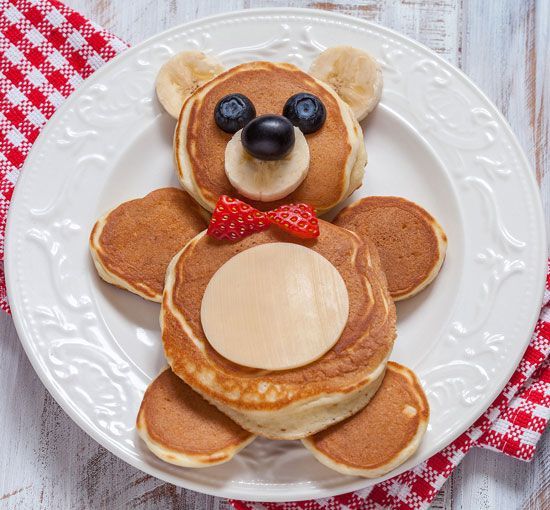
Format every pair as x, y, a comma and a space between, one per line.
24, 326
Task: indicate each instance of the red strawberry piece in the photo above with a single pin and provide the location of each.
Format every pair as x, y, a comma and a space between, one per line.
297, 219
233, 219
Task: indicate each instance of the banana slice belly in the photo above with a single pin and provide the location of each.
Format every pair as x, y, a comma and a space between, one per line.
180, 76
354, 74
266, 180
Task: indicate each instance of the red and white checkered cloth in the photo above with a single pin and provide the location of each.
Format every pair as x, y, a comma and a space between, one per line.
46, 51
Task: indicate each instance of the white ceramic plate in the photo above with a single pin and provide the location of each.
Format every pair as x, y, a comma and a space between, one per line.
435, 138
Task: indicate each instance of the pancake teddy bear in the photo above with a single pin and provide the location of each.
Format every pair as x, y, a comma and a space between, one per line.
275, 322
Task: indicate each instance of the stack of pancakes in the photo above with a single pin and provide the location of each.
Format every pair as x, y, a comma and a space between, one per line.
288, 404
204, 408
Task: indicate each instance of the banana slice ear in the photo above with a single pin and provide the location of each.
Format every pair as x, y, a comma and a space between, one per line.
354, 74
181, 76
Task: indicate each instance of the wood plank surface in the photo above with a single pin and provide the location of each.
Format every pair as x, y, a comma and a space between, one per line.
46, 461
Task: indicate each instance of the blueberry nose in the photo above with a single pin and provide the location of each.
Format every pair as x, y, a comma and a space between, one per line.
268, 137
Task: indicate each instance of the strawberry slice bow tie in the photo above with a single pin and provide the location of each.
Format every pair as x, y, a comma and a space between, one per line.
234, 219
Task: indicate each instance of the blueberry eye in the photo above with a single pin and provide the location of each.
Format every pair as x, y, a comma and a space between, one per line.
305, 111
233, 112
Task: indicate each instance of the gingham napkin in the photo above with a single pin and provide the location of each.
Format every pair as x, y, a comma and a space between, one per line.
46, 51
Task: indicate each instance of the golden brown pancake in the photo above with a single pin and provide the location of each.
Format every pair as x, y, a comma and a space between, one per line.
182, 428
294, 403
411, 243
381, 436
337, 155
133, 244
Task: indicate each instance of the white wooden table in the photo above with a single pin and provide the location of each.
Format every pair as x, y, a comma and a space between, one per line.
46, 461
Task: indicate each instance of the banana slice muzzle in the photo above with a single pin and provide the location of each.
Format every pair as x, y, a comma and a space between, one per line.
263, 180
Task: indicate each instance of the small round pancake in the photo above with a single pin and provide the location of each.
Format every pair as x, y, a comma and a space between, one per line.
133, 244
410, 242
182, 428
337, 152
383, 435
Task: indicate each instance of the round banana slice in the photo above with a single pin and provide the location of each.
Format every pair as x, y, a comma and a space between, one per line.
354, 74
181, 76
266, 180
